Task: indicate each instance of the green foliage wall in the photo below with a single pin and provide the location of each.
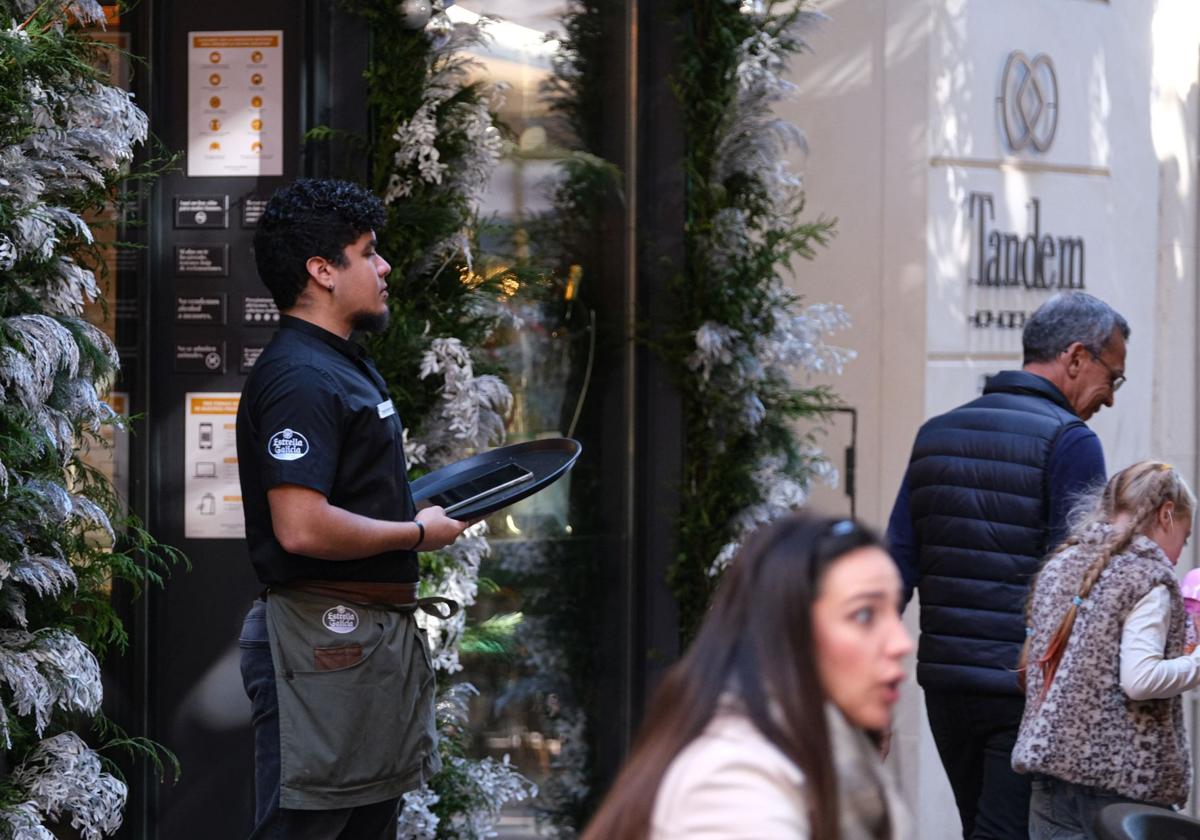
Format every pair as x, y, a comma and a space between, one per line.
67, 139
742, 342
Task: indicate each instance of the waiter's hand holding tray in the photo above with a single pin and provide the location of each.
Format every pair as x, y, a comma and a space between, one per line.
479, 486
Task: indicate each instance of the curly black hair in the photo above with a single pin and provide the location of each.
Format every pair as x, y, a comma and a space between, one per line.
310, 217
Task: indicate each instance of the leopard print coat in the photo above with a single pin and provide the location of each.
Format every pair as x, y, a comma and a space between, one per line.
1086, 730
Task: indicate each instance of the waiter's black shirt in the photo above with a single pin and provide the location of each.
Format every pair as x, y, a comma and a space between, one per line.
315, 412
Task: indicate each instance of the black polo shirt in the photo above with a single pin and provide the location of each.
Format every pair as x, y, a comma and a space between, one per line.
315, 412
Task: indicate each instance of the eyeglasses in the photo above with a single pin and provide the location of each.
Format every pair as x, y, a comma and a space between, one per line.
1115, 380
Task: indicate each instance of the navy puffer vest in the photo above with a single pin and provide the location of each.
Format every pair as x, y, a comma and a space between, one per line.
980, 511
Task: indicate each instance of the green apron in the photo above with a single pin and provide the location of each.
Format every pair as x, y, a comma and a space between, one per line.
356, 692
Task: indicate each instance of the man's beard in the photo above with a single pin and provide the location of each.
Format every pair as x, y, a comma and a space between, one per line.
372, 322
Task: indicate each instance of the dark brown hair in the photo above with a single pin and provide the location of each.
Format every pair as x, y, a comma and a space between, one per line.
757, 642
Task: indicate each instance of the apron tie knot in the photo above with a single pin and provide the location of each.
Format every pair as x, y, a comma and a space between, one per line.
434, 606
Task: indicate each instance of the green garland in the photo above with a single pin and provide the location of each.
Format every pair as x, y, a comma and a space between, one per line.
432, 297
66, 140
723, 452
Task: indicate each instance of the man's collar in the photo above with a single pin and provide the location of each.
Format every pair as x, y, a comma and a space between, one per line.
346, 348
1024, 382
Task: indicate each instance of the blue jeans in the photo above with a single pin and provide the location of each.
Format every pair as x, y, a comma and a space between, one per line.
1060, 810
270, 821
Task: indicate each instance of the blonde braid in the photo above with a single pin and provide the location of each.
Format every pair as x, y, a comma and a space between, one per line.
1166, 485
1117, 545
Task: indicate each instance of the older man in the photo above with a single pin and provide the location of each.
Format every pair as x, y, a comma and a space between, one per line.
987, 493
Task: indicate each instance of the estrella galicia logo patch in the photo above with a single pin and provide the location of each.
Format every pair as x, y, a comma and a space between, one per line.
287, 445
340, 619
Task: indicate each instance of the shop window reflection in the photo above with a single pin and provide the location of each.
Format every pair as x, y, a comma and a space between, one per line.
531, 626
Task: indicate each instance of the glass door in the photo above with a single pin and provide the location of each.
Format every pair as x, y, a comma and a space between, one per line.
547, 651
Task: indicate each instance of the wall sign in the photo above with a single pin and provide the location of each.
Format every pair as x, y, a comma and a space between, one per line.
252, 210
1033, 261
200, 309
201, 211
202, 260
212, 493
250, 354
1029, 101
260, 312
200, 357
235, 103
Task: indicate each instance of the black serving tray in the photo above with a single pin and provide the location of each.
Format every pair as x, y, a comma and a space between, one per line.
547, 459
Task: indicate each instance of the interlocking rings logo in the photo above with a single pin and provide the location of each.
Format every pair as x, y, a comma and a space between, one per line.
1029, 101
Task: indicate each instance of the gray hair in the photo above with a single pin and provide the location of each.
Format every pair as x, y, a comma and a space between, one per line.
1067, 318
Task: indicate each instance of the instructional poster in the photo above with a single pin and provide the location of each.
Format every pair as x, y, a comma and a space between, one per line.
212, 494
235, 103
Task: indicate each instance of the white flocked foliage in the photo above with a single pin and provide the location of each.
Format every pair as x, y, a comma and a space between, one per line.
790, 340
74, 135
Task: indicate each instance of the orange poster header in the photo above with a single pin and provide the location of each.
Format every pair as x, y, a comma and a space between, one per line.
234, 41
214, 405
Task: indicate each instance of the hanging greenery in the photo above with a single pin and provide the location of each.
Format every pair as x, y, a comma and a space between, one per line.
433, 148
66, 142
742, 336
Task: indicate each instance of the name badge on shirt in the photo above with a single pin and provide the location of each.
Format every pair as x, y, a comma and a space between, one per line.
385, 409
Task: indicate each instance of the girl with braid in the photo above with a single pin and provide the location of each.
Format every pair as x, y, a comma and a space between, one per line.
1104, 659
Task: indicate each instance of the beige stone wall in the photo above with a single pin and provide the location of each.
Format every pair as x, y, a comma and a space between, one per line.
898, 104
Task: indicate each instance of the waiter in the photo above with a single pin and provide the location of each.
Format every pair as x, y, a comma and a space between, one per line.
338, 673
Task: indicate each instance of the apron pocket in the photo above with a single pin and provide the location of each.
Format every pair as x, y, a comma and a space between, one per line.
335, 657
359, 727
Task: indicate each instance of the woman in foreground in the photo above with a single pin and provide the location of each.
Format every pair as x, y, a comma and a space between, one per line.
768, 727
1105, 666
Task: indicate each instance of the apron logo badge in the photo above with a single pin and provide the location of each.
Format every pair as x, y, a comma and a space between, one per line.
340, 619
287, 446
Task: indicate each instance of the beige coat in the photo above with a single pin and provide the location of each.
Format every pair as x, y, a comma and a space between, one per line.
731, 783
